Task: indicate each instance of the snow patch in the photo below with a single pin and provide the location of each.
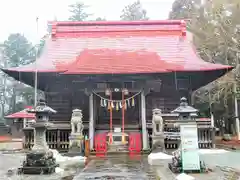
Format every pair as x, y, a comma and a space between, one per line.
67, 163
158, 158
184, 176
60, 159
212, 151
59, 170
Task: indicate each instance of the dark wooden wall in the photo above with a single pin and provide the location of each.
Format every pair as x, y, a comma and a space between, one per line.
64, 103
164, 94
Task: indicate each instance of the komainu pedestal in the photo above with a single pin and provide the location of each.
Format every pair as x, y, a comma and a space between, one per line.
158, 137
76, 138
40, 159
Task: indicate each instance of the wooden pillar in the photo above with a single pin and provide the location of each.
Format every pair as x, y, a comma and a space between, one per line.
144, 123
24, 122
91, 121
87, 148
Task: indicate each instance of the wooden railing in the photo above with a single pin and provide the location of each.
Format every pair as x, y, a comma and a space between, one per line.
57, 137
206, 133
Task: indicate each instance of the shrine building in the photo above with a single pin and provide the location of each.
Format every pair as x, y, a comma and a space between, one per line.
116, 73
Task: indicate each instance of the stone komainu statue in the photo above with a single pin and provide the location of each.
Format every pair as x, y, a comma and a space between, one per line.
157, 122
158, 130
76, 122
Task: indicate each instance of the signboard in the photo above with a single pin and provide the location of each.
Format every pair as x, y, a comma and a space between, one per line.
189, 147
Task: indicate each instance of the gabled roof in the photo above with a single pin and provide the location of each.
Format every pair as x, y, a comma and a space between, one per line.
119, 48
21, 114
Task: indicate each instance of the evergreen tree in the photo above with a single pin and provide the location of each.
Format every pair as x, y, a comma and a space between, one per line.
77, 11
17, 51
184, 9
100, 19
216, 35
134, 12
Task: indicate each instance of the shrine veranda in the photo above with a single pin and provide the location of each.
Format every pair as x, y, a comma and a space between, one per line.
117, 73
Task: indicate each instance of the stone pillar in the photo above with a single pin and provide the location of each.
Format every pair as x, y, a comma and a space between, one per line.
40, 142
91, 122
144, 123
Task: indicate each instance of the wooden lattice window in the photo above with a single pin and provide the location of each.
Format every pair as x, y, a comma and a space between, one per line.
128, 85
183, 83
102, 86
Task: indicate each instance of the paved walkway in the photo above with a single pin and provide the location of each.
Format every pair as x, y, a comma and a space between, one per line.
118, 168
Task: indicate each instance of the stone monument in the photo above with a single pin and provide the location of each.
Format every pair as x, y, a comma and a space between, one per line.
186, 158
76, 138
158, 137
40, 159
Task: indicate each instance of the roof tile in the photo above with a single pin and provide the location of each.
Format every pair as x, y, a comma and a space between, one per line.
119, 49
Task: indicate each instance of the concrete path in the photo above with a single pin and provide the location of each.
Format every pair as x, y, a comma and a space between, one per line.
120, 167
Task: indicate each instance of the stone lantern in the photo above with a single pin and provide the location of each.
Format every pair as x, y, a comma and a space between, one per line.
185, 112
188, 145
40, 159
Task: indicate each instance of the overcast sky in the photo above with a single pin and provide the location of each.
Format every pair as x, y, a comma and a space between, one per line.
20, 15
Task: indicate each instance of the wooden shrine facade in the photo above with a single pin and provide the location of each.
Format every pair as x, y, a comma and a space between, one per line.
163, 93
153, 60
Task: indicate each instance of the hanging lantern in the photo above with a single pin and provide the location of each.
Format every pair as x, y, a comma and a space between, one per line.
125, 91
108, 92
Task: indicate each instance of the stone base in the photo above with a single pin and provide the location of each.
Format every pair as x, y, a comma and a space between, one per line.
158, 142
37, 170
174, 169
178, 169
76, 143
39, 162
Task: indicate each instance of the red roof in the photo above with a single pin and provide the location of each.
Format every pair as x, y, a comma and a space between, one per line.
119, 48
21, 114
